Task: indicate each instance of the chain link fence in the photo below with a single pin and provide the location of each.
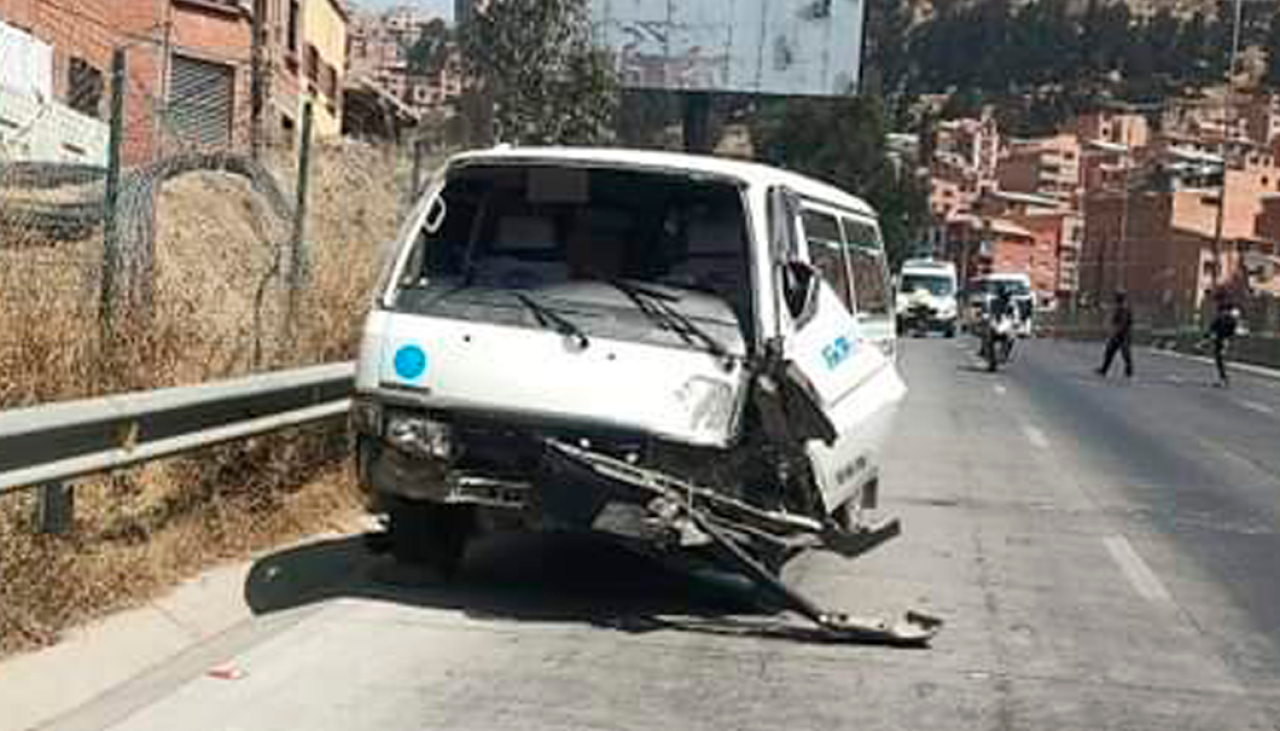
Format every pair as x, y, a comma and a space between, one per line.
147, 247
143, 245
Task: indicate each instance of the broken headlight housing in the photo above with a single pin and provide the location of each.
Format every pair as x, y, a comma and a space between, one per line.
707, 402
420, 436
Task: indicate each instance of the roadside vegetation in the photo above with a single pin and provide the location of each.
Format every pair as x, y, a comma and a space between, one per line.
218, 314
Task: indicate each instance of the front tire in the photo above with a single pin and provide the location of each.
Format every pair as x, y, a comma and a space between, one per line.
430, 534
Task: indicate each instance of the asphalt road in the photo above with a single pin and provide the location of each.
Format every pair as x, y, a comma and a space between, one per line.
1106, 555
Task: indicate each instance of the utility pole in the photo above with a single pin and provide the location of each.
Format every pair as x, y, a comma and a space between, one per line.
1226, 139
1123, 278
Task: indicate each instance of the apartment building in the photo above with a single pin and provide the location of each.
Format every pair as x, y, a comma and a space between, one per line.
379, 54
1262, 118
324, 62
1124, 129
972, 143
52, 82
187, 66
305, 57
1048, 166
1160, 245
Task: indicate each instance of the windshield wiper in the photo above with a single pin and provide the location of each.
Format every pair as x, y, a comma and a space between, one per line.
657, 306
548, 317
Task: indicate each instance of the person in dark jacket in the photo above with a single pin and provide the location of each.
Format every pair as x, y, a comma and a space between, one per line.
1121, 339
1221, 331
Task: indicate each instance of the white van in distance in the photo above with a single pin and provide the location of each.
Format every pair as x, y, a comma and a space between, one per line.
690, 355
1018, 285
926, 299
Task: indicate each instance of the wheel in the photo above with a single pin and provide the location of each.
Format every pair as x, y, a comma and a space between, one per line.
950, 332
429, 534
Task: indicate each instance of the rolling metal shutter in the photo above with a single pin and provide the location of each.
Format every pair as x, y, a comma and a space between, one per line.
201, 95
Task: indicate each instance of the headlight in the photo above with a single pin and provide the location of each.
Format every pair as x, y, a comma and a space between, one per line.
708, 403
419, 436
366, 417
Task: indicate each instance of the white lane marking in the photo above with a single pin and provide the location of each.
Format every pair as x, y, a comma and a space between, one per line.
1255, 406
1000, 389
1035, 436
1140, 576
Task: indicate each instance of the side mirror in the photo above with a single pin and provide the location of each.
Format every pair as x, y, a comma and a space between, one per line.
800, 289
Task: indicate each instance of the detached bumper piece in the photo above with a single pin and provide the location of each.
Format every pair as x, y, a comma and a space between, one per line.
756, 542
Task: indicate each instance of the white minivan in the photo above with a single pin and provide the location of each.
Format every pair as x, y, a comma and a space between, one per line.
680, 352
926, 299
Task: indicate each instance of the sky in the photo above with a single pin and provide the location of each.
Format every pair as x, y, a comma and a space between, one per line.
443, 7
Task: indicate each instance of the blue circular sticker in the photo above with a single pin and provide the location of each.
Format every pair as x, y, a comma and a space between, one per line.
411, 362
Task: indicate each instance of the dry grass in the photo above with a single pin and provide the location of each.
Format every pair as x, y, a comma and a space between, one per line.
218, 313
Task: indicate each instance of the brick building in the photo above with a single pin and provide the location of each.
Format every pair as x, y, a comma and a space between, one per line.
1262, 118
988, 244
1125, 129
189, 86
1159, 246
379, 54
1048, 166
189, 65
187, 62
972, 143
82, 36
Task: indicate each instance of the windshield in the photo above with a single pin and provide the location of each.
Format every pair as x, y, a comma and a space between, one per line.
571, 236
1013, 287
936, 285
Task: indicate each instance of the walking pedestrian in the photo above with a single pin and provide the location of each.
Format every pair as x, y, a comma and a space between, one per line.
1221, 331
1121, 338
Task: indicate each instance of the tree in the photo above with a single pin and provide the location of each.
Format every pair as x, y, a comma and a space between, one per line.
1273, 52
550, 84
966, 102
1193, 48
430, 52
1162, 36
843, 141
888, 27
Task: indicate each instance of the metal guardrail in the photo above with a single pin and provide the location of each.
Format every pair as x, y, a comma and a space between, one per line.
44, 446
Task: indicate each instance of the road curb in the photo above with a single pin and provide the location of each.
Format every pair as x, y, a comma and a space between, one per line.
1249, 368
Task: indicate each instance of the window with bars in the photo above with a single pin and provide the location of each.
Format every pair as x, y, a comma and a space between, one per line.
85, 87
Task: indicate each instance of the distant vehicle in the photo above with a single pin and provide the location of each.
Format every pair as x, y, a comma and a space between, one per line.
926, 299
984, 288
691, 355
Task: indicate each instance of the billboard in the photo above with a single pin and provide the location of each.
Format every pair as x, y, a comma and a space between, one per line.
789, 47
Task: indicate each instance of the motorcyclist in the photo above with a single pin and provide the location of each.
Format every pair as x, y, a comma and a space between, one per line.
1000, 307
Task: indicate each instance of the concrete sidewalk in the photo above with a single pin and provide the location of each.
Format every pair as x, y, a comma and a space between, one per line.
40, 686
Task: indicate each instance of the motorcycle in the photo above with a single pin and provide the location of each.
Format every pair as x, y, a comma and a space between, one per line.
998, 337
